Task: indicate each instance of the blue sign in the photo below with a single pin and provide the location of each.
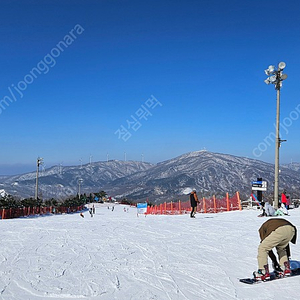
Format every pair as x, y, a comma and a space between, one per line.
257, 182
141, 208
259, 185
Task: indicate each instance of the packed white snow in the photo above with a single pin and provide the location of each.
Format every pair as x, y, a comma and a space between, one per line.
117, 255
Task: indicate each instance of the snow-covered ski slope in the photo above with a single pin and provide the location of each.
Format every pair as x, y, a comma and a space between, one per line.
117, 255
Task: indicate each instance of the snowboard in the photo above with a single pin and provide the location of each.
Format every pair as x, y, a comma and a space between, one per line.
274, 276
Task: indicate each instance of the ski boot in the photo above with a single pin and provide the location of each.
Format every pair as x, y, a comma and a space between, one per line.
283, 273
262, 274
287, 269
277, 270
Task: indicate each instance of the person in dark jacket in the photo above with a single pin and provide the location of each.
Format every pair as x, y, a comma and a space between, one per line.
275, 233
194, 201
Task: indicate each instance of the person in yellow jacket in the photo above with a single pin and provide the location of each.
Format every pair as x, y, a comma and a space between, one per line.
275, 233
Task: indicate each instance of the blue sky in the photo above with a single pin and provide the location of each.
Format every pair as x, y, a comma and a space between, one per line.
77, 71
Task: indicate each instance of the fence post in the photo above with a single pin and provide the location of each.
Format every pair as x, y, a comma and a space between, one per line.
204, 205
239, 200
161, 208
3, 213
171, 207
165, 208
179, 207
215, 206
227, 200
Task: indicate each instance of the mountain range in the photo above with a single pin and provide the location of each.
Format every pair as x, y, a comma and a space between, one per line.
210, 173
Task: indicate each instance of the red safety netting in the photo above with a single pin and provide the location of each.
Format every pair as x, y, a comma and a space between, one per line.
206, 205
10, 213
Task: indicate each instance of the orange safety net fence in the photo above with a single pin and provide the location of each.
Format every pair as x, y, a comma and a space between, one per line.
10, 213
206, 205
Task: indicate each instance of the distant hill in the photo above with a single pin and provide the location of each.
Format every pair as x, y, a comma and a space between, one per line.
210, 173
292, 166
59, 182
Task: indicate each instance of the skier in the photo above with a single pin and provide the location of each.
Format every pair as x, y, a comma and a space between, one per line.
275, 233
194, 200
91, 211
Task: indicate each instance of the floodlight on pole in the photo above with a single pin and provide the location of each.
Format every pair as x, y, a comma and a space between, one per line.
276, 77
271, 69
281, 65
272, 78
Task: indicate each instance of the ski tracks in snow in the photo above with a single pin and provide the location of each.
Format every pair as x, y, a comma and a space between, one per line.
56, 257
117, 256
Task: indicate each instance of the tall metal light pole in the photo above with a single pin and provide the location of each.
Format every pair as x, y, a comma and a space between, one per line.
39, 161
80, 181
276, 77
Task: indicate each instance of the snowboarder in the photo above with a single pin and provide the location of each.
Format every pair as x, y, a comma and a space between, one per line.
275, 233
194, 201
269, 209
281, 211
